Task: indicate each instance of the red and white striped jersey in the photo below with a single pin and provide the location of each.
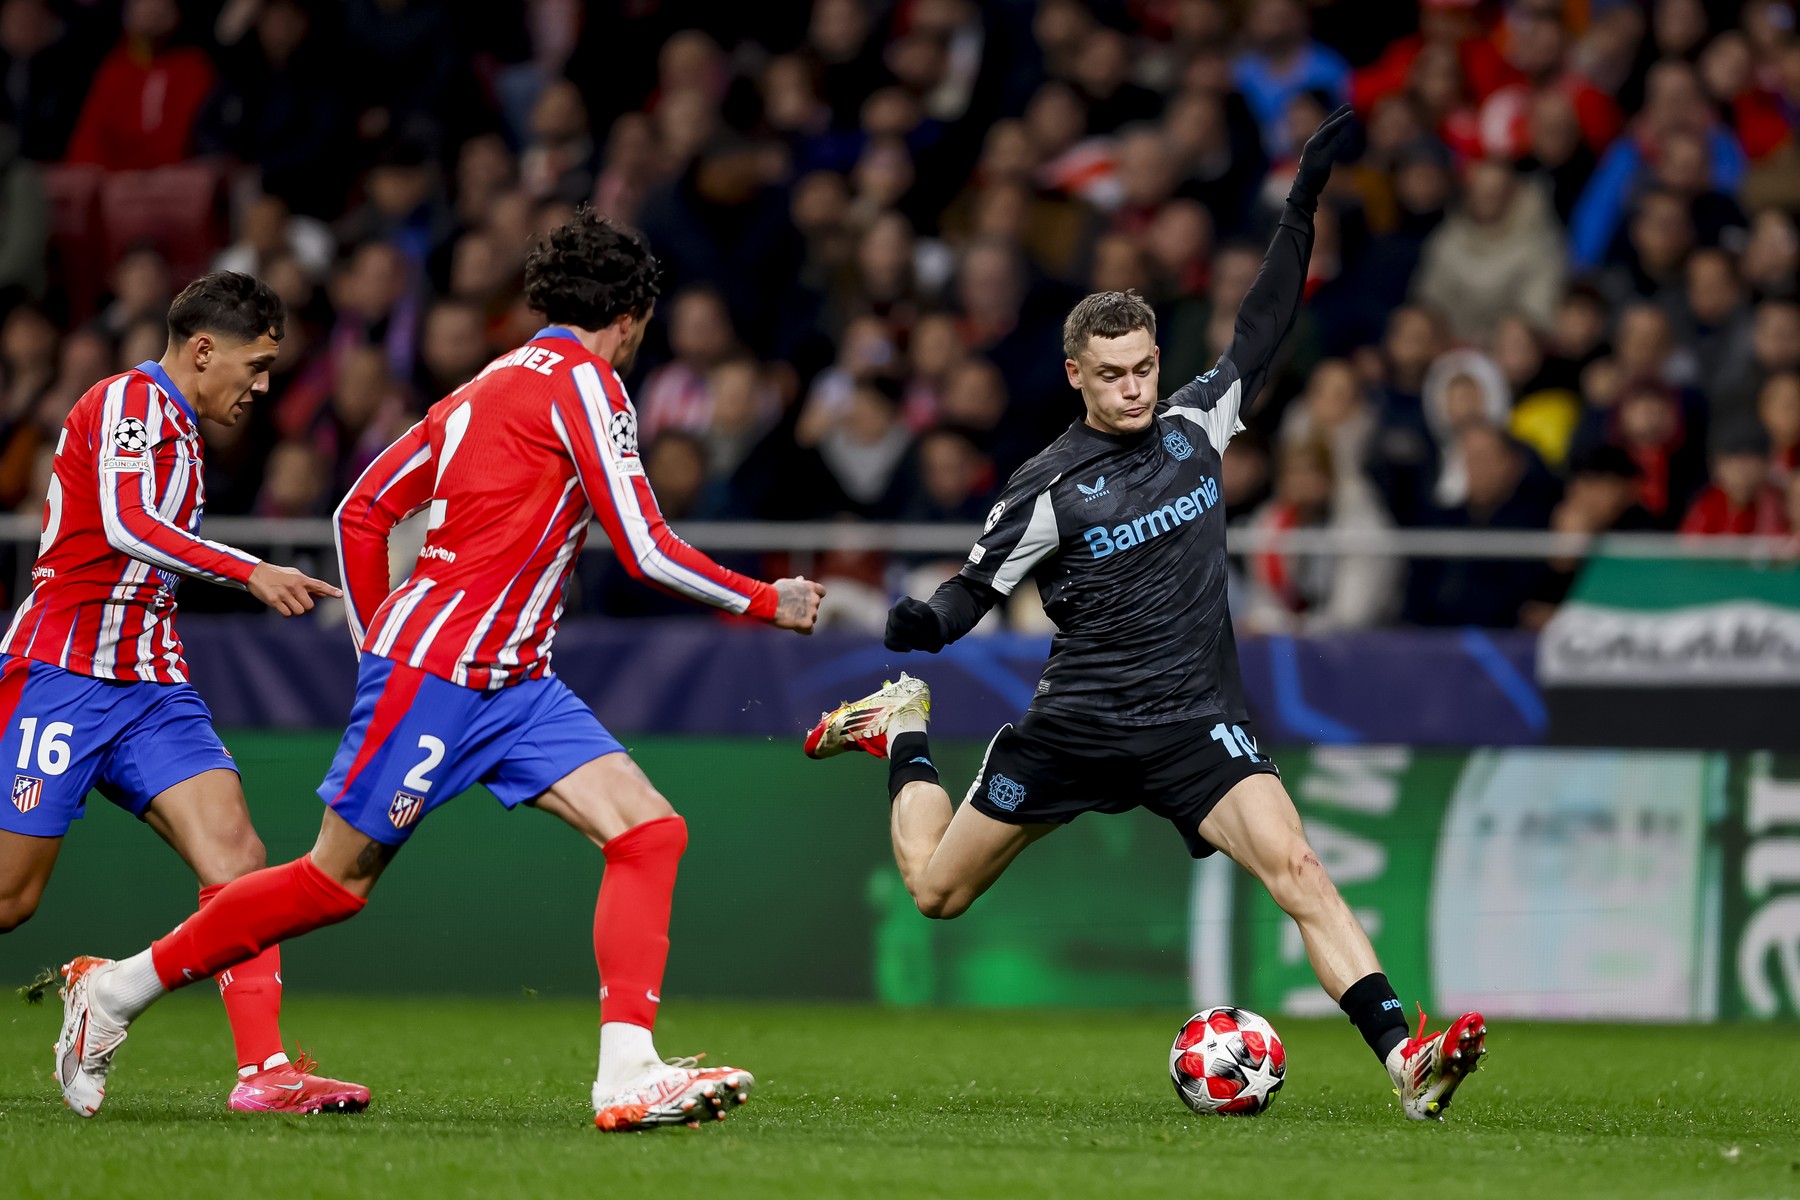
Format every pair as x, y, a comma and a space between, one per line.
513, 464
124, 502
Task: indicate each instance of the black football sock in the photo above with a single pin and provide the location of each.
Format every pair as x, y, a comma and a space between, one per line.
1373, 1008
909, 758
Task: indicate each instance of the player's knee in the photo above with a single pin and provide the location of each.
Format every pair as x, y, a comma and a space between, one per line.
1299, 882
942, 905
15, 911
242, 855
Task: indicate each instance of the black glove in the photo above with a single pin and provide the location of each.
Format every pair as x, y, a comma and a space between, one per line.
914, 625
1329, 143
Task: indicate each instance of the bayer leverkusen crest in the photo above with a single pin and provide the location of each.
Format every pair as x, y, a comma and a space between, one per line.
1176, 443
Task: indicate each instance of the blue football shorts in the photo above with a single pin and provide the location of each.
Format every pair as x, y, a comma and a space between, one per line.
416, 740
66, 733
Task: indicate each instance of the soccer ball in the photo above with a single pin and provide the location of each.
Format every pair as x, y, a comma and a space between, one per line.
1227, 1061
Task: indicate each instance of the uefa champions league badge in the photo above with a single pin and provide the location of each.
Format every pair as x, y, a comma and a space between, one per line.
1176, 443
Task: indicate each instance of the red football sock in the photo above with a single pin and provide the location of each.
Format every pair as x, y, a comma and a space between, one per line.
247, 917
631, 921
252, 995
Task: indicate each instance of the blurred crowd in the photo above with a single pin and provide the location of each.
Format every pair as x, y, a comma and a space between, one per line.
1557, 289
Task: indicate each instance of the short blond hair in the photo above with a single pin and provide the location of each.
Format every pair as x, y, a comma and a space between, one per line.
1107, 315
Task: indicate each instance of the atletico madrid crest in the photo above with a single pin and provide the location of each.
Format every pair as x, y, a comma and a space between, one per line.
405, 809
28, 792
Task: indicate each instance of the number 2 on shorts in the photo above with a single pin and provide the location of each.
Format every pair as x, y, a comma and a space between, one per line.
1237, 743
419, 778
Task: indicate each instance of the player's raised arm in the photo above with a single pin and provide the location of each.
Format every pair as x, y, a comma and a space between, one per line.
394, 487
598, 428
1269, 308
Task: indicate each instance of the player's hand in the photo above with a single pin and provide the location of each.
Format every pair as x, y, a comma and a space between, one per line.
797, 604
914, 625
1329, 143
287, 591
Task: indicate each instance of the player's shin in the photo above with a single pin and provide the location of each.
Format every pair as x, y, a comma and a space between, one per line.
251, 992
631, 943
248, 915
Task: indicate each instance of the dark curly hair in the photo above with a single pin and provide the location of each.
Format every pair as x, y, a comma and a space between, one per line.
229, 302
590, 272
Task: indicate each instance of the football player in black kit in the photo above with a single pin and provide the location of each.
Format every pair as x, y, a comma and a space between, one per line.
1119, 523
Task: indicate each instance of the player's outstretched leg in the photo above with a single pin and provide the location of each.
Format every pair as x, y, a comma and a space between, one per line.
947, 856
1256, 825
613, 803
101, 998
205, 820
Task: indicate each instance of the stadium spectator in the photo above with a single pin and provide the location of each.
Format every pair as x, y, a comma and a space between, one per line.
452, 347
1498, 253
1718, 320
1280, 62
1319, 593
141, 290
145, 99
952, 481
1739, 499
677, 394
1538, 51
1647, 421
559, 160
1778, 408
276, 106
1546, 407
28, 344
1463, 389
269, 231
24, 226
1505, 488
44, 76
1674, 105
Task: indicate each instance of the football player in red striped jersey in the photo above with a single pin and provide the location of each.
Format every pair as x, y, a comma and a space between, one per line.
93, 688
455, 686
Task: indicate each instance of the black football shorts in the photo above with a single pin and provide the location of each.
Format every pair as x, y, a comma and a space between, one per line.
1050, 769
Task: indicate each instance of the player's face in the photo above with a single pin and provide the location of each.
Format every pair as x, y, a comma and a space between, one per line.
1117, 381
634, 337
233, 374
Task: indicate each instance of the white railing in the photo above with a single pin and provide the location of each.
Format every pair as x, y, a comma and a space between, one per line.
286, 539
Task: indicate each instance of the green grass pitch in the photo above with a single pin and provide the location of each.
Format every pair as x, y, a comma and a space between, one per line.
486, 1098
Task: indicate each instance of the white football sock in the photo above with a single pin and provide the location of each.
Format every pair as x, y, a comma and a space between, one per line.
626, 1051
904, 722
127, 988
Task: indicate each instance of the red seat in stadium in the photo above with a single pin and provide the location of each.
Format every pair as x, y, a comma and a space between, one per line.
179, 209
79, 251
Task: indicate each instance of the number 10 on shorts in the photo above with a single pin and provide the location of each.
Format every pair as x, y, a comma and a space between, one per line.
1237, 743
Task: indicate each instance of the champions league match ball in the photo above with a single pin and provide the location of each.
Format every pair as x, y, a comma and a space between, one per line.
1227, 1062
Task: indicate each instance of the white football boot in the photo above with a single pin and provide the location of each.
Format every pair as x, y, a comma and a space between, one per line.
89, 1038
1427, 1069
863, 724
677, 1092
